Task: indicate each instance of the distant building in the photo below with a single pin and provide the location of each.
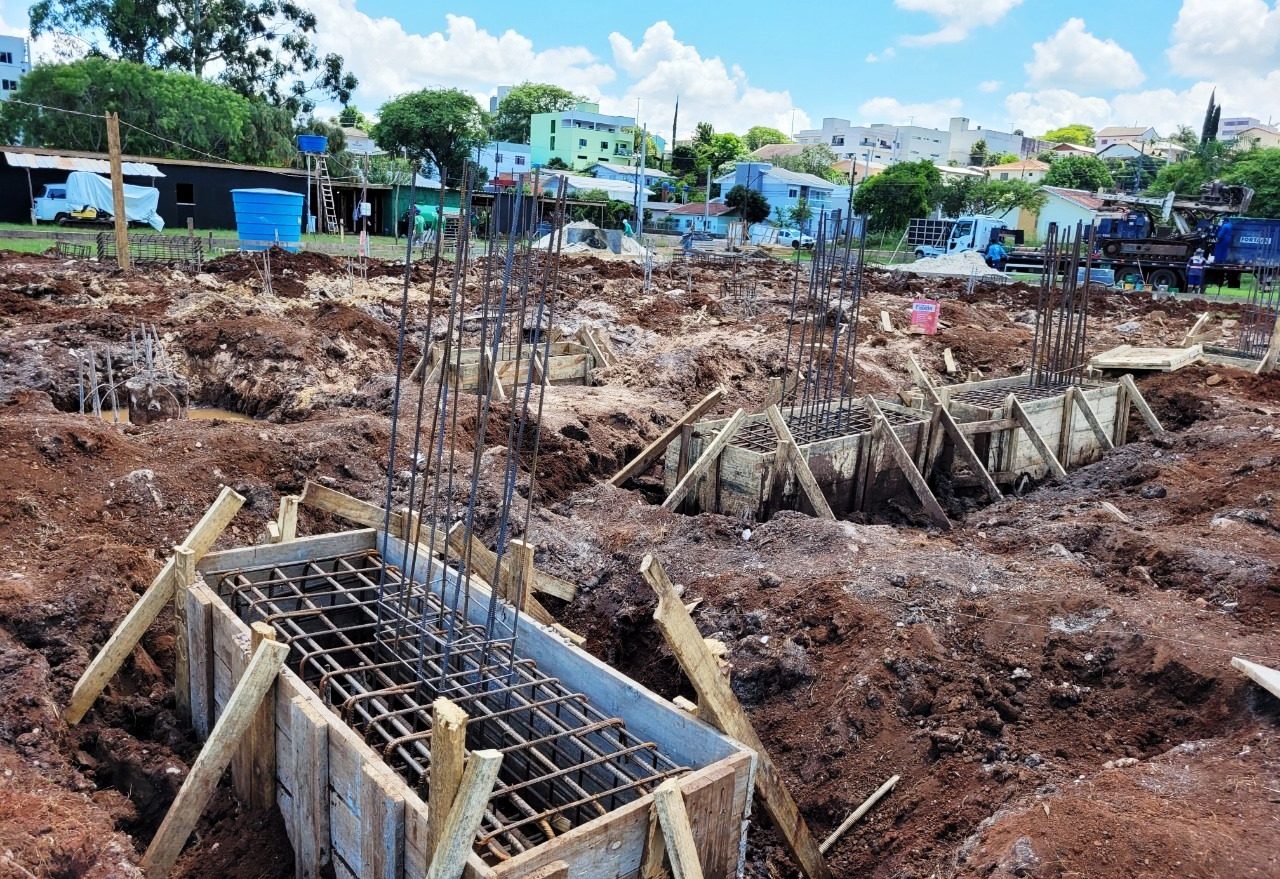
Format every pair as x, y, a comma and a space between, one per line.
1164, 150
580, 137
1028, 170
1072, 149
883, 143
962, 139
771, 151
860, 169
629, 173
713, 218
1263, 136
15, 63
785, 189
495, 100
504, 161
1229, 129
359, 142
1105, 137
575, 184
1066, 207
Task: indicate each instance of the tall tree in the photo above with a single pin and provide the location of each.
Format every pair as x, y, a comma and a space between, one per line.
1212, 116
1077, 133
762, 135
439, 126
751, 205
816, 159
260, 48
171, 115
511, 122
352, 117
717, 150
1079, 172
900, 192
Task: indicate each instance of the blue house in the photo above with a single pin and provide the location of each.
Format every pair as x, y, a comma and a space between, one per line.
713, 218
785, 189
629, 173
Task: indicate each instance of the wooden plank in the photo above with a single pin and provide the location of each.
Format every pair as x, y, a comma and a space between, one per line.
261, 737
287, 520
917, 373
722, 708
344, 506
961, 442
1140, 402
886, 322
1121, 426
484, 561
655, 849
585, 335
199, 638
787, 446
301, 549
184, 576
448, 745
605, 346
1115, 512
464, 817
309, 754
1091, 417
908, 467
1065, 427
949, 361
1149, 359
200, 782
1024, 421
705, 460
654, 450
1195, 329
381, 822
1267, 678
677, 835
126, 636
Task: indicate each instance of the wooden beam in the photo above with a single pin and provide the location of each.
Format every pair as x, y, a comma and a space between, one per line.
917, 373
787, 447
184, 576
654, 450
886, 322
1140, 402
1024, 421
484, 562
949, 361
261, 738
448, 746
1082, 402
199, 639
200, 782
1195, 329
655, 849
1268, 360
489, 376
584, 334
287, 519
858, 813
1267, 678
677, 834
1065, 427
705, 460
120, 216
309, 754
720, 707
464, 817
908, 467
104, 666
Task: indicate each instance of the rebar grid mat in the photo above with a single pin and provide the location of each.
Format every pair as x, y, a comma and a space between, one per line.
841, 419
187, 250
378, 653
823, 319
995, 397
1062, 308
1258, 314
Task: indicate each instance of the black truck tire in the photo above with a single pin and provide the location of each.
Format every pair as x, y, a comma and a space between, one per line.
1170, 277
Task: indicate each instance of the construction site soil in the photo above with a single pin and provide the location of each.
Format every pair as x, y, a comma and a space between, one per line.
1051, 682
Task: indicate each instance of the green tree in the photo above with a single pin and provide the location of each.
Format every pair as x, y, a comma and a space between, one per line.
720, 150
1186, 136
1003, 159
1077, 133
263, 48
750, 204
900, 192
1079, 172
974, 195
1258, 169
1184, 178
703, 132
762, 135
978, 153
165, 114
816, 159
511, 122
555, 163
800, 214
1212, 116
440, 126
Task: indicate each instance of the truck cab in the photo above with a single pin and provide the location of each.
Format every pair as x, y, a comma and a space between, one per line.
970, 232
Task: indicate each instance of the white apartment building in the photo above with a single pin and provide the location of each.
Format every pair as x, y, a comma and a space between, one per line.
962, 139
912, 143
1230, 129
15, 63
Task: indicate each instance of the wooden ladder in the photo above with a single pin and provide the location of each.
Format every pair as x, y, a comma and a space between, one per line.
329, 214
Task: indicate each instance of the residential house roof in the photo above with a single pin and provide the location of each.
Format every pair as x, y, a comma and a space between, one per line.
620, 190
958, 171
1122, 131
1150, 148
1028, 165
79, 154
1065, 147
776, 151
653, 173
699, 209
1081, 197
861, 168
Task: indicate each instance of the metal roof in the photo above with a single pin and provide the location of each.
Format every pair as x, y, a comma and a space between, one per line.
70, 163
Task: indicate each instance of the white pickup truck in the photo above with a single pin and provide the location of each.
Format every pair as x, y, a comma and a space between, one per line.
794, 238
86, 198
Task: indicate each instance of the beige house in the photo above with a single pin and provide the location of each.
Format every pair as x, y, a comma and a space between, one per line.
1028, 170
1259, 136
1116, 133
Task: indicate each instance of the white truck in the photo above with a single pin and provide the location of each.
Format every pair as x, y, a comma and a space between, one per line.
86, 198
970, 232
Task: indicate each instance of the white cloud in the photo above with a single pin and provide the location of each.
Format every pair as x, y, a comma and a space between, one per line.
662, 67
887, 55
933, 114
1073, 58
1044, 110
989, 86
1223, 38
956, 18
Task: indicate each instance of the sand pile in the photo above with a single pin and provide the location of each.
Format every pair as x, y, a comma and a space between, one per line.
961, 264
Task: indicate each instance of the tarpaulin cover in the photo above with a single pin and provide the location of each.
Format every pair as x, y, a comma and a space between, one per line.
140, 202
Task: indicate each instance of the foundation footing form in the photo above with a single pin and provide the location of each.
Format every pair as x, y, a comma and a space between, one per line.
475, 370
371, 646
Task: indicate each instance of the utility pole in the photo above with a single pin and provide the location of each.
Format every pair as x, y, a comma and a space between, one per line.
117, 191
706, 204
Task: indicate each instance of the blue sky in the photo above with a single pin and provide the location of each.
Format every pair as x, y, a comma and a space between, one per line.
1030, 64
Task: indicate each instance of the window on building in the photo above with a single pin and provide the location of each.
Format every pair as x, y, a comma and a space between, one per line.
793, 193
184, 193
582, 158
582, 142
6, 57
604, 145
519, 160
553, 126
837, 140
553, 143
9, 85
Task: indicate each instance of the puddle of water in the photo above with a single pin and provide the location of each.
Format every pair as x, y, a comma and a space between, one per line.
194, 413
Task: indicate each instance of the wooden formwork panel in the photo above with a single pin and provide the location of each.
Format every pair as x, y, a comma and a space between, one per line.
345, 808
567, 363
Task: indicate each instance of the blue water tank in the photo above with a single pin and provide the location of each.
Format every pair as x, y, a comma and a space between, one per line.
264, 216
312, 143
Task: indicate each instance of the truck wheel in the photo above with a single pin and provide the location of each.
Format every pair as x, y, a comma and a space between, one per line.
62, 219
795, 245
1168, 277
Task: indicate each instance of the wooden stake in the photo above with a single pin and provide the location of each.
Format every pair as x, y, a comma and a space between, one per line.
184, 573
645, 459
1195, 329
117, 192
309, 752
200, 782
717, 703
288, 517
144, 612
1139, 401
677, 834
962, 445
259, 745
1267, 362
464, 816
949, 360
917, 373
858, 813
1082, 403
448, 741
886, 323
908, 467
1024, 421
788, 448
705, 460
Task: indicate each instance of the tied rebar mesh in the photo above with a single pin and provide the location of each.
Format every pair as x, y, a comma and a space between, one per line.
1062, 309
380, 641
1258, 314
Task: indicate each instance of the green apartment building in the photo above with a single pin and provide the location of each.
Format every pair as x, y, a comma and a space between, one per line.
580, 137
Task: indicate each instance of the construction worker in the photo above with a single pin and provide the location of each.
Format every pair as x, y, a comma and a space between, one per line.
1195, 272
419, 226
996, 255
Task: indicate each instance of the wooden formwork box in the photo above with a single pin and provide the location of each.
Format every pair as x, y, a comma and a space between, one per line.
343, 805
754, 484
568, 363
1005, 447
